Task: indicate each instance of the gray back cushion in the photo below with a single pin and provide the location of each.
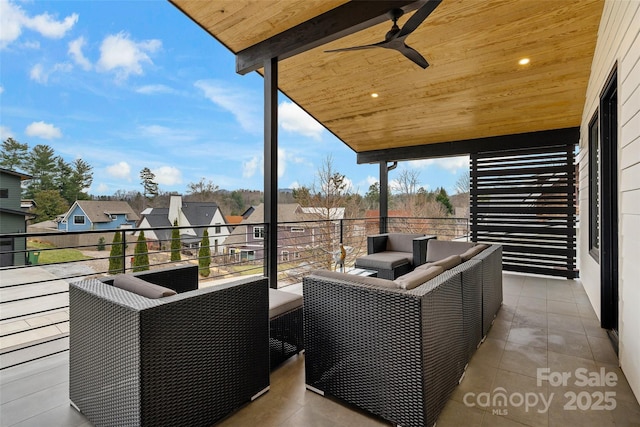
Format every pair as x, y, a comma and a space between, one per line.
446, 263
471, 252
439, 249
401, 242
417, 277
141, 287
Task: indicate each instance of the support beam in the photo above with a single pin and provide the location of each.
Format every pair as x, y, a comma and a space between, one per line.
384, 197
349, 18
468, 146
384, 194
271, 170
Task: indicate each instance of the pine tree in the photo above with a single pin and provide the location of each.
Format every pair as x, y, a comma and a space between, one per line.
204, 255
140, 254
175, 242
115, 256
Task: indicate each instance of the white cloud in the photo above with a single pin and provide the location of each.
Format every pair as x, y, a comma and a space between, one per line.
282, 162
294, 119
167, 175
294, 184
238, 101
13, 19
40, 75
101, 188
75, 50
37, 73
371, 180
154, 89
120, 170
1, 89
164, 134
5, 133
452, 164
123, 56
30, 44
250, 167
43, 130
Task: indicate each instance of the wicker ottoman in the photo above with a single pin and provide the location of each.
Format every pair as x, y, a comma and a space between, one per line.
285, 325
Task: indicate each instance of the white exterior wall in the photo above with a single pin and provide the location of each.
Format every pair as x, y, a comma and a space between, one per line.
218, 218
618, 42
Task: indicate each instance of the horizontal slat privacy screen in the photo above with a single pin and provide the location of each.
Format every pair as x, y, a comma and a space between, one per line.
525, 200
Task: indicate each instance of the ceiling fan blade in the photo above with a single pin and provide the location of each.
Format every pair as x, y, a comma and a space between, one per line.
413, 55
367, 46
418, 17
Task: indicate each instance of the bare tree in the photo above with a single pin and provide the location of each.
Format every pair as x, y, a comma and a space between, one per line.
202, 191
463, 184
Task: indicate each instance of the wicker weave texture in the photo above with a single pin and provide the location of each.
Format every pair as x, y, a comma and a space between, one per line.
471, 274
491, 259
385, 351
189, 359
286, 336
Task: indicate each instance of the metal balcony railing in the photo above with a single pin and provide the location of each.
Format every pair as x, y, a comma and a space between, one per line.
34, 318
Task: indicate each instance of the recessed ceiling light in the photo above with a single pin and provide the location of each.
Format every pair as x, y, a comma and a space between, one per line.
374, 95
524, 61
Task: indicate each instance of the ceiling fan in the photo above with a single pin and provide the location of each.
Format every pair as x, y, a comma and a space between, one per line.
394, 39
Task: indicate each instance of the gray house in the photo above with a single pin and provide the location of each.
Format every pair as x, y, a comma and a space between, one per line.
300, 229
12, 218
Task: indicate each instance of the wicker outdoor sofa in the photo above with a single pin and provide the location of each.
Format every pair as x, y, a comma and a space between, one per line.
189, 359
393, 352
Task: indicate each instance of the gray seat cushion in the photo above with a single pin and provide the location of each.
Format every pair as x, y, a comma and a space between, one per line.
281, 302
141, 287
439, 249
384, 260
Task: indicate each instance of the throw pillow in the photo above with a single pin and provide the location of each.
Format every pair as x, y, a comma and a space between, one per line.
141, 287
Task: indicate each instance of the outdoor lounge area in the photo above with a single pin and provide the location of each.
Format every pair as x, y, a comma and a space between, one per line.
543, 323
534, 322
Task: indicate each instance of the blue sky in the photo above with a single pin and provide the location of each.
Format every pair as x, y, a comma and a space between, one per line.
131, 84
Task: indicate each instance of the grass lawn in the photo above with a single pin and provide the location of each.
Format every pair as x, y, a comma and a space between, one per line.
50, 255
245, 270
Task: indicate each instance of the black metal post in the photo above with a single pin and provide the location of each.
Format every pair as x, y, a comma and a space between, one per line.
384, 196
124, 252
271, 170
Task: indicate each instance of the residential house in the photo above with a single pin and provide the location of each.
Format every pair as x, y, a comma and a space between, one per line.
196, 216
300, 229
85, 215
12, 218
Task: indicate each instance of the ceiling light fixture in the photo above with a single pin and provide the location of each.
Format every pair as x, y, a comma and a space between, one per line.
524, 61
374, 95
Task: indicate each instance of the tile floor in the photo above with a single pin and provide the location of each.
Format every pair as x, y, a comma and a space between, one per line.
543, 324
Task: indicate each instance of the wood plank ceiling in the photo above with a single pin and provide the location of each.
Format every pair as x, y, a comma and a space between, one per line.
474, 88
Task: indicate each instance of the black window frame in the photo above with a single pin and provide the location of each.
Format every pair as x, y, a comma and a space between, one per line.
594, 187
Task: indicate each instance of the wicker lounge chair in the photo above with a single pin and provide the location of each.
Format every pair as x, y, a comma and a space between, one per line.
187, 359
394, 254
